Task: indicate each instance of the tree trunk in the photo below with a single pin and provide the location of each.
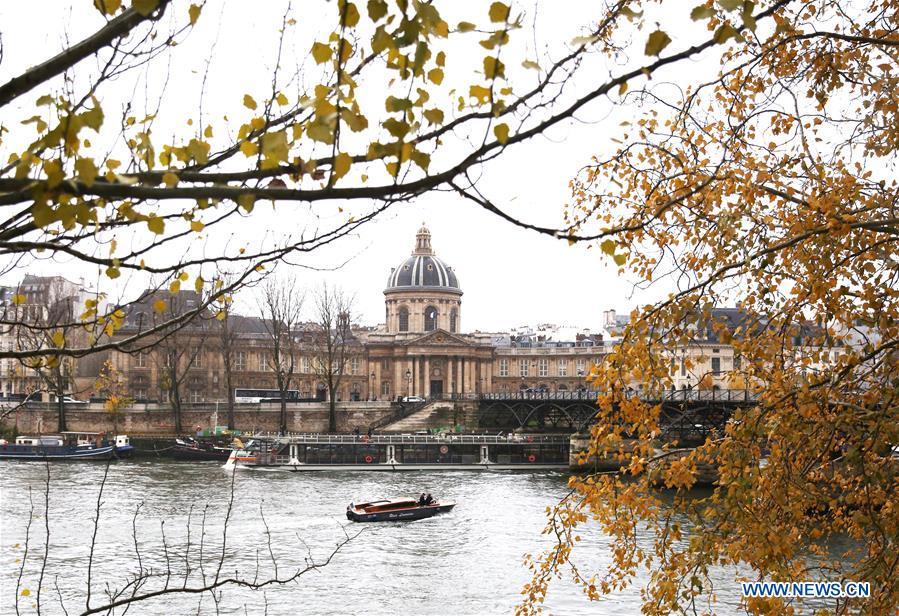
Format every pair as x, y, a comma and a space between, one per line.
231, 425
332, 414
283, 415
60, 405
176, 404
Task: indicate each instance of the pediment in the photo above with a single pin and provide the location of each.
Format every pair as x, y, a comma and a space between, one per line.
440, 337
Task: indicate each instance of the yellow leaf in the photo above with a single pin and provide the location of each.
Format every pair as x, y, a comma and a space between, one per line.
531, 65
656, 42
321, 53
281, 99
351, 15
194, 13
198, 284
18, 299
208, 132
249, 102
25, 592
196, 226
246, 201
220, 315
113, 272
502, 133
58, 338
274, 146
156, 224
342, 164
108, 7
493, 68
436, 76
622, 88
376, 9
249, 148
144, 7
54, 172
465, 26
169, 179
175, 287
160, 305
498, 12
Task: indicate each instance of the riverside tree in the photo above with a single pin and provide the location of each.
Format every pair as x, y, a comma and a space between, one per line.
769, 183
154, 185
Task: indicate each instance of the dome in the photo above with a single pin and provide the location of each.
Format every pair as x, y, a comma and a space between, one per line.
423, 268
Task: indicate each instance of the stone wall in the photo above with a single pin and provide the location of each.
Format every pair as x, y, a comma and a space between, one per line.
157, 419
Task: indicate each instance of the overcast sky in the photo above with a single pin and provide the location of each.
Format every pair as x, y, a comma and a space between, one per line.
509, 276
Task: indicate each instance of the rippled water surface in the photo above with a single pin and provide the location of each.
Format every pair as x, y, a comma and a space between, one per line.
466, 562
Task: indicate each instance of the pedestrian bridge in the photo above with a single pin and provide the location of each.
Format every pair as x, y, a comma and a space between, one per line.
687, 415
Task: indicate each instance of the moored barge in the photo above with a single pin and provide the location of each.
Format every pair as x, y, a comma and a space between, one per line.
67, 446
402, 452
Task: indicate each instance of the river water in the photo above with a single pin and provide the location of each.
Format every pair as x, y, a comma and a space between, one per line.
465, 562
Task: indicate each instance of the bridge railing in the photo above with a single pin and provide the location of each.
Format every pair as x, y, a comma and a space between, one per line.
675, 395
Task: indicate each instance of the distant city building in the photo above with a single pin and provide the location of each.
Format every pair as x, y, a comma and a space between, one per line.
420, 350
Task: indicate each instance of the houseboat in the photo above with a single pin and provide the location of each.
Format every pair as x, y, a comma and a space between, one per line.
403, 452
66, 446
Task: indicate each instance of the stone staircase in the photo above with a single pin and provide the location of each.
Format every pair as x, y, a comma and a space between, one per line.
435, 414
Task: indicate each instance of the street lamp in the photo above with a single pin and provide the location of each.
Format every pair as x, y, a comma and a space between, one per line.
408, 383
371, 389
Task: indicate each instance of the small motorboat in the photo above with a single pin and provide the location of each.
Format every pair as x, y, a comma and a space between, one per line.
396, 509
190, 449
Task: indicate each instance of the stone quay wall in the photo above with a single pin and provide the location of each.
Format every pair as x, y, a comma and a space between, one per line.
157, 420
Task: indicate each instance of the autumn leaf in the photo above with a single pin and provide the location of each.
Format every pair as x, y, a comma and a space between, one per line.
156, 224
249, 102
342, 163
194, 13
502, 133
499, 12
656, 42
144, 7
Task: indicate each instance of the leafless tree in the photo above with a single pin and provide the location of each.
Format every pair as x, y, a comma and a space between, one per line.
179, 353
228, 331
280, 305
201, 568
332, 340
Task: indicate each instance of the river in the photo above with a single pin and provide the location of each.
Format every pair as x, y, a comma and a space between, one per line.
465, 562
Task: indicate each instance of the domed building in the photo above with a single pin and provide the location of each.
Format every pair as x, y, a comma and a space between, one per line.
421, 350
423, 293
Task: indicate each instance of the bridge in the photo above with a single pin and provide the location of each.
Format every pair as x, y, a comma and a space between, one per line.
687, 415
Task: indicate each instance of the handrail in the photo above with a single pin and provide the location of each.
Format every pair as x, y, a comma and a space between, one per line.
391, 439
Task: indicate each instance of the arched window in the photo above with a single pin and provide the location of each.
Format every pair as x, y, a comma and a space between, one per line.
430, 319
453, 321
404, 319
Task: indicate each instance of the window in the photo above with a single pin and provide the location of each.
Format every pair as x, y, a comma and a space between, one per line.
385, 364
171, 359
354, 366
197, 360
307, 366
683, 367
263, 361
430, 319
542, 367
196, 395
385, 388
716, 365
522, 367
582, 367
140, 360
140, 394
240, 361
453, 320
504, 367
404, 319
563, 367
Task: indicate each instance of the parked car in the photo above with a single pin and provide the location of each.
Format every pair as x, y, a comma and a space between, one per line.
71, 400
413, 399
